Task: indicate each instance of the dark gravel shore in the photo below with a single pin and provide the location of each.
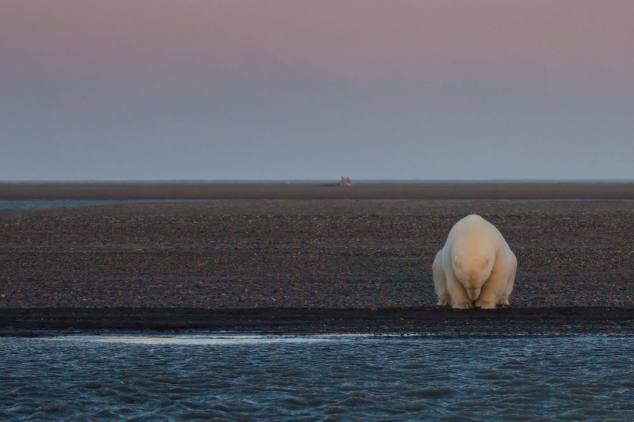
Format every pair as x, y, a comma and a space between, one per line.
310, 254
413, 321
317, 190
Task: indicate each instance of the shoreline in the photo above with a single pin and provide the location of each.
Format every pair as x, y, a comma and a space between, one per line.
307, 266
315, 190
410, 321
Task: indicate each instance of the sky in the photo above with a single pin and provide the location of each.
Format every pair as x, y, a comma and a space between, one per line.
316, 89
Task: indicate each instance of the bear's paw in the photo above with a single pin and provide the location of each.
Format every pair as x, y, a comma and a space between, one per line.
463, 305
484, 304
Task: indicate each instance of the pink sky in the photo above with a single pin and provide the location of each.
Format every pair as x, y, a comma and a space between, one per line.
204, 89
362, 40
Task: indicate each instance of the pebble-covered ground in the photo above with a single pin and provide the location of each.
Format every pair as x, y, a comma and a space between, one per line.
303, 253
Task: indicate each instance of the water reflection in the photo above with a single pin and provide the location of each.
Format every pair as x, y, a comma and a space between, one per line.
210, 340
316, 378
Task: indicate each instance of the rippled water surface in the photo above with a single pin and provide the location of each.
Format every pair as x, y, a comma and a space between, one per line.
317, 378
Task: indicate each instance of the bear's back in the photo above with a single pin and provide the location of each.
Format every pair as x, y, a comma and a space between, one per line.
474, 231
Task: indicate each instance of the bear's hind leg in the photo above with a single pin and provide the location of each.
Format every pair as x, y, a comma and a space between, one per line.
440, 284
504, 300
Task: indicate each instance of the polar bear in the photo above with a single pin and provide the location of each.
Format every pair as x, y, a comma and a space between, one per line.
476, 267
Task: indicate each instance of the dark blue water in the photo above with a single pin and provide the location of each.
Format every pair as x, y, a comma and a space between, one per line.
318, 378
31, 204
12, 205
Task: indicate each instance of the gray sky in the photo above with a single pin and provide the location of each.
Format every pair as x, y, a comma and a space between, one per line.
227, 90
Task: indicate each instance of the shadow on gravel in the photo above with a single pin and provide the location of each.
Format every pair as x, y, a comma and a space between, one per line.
422, 321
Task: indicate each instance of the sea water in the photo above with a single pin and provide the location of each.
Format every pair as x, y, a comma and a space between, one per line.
317, 378
31, 204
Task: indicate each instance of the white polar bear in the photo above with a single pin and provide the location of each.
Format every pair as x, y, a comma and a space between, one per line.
475, 265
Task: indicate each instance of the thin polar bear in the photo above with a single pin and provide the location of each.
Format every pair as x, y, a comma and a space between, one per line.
476, 267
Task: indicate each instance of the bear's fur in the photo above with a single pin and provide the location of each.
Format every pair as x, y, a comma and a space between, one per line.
476, 267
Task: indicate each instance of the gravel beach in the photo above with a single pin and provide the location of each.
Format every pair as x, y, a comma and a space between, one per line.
268, 255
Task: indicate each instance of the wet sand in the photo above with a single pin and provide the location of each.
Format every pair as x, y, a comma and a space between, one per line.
318, 265
414, 321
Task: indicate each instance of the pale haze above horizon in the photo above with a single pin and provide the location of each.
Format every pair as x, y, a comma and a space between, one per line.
316, 89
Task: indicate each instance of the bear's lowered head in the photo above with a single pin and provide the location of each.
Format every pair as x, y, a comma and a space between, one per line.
472, 270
